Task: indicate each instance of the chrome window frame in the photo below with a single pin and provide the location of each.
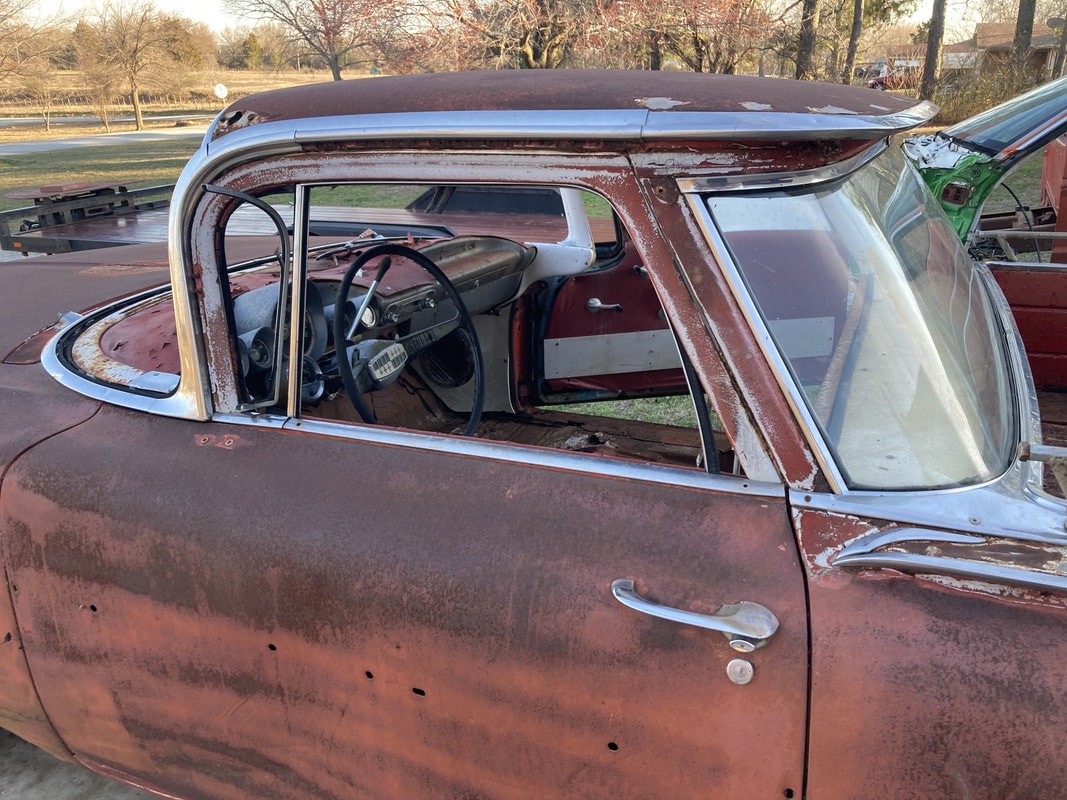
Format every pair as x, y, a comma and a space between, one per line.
1024, 395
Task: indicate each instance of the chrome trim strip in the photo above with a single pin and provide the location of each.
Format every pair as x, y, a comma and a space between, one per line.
164, 406
781, 180
770, 351
621, 124
819, 124
526, 455
1000, 509
1028, 417
868, 544
173, 404
862, 554
602, 124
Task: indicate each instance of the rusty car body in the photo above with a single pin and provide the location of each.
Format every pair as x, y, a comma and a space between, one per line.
362, 508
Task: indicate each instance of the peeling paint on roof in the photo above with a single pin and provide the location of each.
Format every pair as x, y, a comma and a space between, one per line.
660, 103
832, 110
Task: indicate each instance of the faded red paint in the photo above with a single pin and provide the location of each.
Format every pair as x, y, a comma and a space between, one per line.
461, 644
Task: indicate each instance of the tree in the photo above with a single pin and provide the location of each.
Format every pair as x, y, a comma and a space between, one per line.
843, 22
98, 74
935, 34
807, 39
528, 34
338, 31
134, 45
853, 41
700, 35
1024, 31
37, 83
251, 52
23, 35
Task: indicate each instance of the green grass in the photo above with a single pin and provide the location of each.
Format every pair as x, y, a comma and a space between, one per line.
676, 410
1025, 181
134, 165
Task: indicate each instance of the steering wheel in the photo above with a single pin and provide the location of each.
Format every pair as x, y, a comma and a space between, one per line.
379, 361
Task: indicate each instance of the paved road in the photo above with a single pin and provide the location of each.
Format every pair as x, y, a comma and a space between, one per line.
27, 773
155, 134
22, 122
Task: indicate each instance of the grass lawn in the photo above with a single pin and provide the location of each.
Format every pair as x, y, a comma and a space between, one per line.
135, 165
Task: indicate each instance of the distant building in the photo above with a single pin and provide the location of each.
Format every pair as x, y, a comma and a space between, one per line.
989, 49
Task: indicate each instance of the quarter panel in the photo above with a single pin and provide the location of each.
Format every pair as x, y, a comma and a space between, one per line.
32, 408
923, 691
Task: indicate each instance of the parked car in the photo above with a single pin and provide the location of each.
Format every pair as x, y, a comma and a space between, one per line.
575, 434
1022, 238
906, 77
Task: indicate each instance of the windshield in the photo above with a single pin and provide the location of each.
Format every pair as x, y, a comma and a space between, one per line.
1038, 115
883, 322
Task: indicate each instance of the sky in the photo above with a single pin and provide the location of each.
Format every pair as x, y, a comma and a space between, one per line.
207, 11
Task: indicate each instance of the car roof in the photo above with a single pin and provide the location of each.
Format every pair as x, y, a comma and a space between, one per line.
556, 104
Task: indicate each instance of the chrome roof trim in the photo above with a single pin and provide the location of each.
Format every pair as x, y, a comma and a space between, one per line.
783, 180
525, 455
592, 124
819, 124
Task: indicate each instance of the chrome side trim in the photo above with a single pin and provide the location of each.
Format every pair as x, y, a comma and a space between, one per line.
869, 552
1028, 417
158, 394
782, 180
526, 455
999, 509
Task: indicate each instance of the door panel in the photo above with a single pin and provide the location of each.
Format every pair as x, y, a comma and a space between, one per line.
585, 343
240, 611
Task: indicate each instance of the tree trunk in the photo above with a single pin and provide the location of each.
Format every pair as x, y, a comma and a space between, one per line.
809, 26
853, 42
932, 64
335, 67
1024, 32
655, 51
138, 117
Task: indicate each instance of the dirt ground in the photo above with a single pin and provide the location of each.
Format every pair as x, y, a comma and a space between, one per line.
27, 773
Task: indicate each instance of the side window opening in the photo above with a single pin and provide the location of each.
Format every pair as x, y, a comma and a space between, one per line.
514, 331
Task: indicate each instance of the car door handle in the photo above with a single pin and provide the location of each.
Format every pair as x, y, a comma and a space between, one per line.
746, 625
594, 305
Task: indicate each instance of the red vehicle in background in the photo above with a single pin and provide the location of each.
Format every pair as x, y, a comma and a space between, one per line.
895, 78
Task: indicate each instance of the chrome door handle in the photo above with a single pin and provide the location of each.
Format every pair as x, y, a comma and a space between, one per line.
594, 305
747, 625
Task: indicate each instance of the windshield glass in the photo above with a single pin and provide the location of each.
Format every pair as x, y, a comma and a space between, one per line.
1039, 114
883, 322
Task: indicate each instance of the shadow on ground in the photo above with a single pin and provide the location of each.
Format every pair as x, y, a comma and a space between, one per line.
27, 773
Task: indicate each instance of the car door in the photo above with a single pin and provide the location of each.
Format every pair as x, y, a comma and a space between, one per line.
234, 611
263, 606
